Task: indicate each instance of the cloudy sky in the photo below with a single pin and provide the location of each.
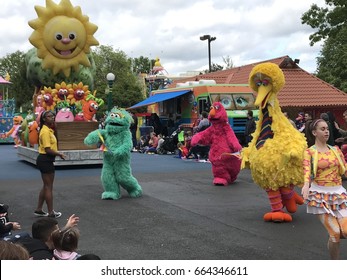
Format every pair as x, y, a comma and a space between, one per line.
247, 31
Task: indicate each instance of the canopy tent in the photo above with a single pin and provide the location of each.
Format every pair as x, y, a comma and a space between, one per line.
159, 97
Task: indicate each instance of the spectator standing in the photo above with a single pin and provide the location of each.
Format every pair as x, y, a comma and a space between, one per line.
154, 121
331, 140
133, 129
204, 122
335, 131
300, 122
250, 127
343, 133
170, 125
309, 137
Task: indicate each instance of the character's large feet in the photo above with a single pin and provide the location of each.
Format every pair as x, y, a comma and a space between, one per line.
110, 196
220, 182
277, 217
291, 204
136, 193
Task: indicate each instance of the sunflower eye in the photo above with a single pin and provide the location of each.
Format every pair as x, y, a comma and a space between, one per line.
72, 35
58, 36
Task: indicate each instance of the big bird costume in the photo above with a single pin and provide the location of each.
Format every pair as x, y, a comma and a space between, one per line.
276, 152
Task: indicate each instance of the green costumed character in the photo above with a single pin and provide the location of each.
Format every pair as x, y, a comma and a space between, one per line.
117, 141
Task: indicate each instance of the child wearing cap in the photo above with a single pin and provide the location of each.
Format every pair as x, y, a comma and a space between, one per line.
6, 226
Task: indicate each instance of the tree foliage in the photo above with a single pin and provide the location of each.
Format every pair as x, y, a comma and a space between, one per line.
332, 64
330, 23
142, 64
20, 90
127, 90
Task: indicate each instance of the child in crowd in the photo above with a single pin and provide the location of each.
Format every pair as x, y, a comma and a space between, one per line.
6, 226
182, 150
66, 243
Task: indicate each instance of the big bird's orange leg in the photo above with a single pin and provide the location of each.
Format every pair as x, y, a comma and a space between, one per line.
276, 215
291, 199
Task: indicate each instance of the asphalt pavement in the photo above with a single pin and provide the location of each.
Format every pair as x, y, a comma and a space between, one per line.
181, 216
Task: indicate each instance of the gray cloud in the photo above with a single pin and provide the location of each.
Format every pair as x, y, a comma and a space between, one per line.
247, 31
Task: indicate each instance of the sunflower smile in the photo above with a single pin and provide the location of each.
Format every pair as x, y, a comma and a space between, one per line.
65, 52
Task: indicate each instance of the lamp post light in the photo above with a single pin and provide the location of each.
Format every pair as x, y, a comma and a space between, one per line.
110, 79
209, 40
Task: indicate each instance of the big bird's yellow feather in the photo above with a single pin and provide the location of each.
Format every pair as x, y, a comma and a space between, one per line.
278, 163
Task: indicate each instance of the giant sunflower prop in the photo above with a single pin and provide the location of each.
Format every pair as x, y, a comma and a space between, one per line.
63, 36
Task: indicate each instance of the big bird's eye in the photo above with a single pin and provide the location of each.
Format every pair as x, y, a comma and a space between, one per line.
72, 35
258, 83
266, 82
58, 36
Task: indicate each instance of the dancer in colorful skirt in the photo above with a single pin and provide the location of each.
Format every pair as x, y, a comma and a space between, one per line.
323, 191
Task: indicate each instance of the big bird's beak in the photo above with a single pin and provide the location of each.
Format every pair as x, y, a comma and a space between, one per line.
264, 93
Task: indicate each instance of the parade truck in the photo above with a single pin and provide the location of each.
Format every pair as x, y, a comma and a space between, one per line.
188, 100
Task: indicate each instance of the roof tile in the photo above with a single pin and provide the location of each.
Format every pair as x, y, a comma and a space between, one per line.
301, 89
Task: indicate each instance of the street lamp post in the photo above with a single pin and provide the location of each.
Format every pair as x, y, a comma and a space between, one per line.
209, 40
110, 79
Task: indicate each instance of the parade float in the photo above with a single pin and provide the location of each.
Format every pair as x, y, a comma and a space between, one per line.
62, 70
7, 110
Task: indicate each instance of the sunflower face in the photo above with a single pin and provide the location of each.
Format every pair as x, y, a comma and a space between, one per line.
62, 36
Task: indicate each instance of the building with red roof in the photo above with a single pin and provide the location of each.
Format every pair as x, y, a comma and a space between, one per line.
303, 91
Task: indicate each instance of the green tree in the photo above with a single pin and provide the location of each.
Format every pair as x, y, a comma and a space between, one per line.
127, 87
330, 23
332, 64
20, 90
142, 64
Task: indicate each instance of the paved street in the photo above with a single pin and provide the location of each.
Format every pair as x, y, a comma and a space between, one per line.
180, 216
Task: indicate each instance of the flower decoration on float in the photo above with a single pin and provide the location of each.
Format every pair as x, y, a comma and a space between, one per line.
62, 92
80, 92
48, 102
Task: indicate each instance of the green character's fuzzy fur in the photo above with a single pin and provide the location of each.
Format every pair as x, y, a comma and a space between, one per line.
116, 170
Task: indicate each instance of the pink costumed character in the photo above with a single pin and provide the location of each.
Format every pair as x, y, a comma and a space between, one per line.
224, 146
